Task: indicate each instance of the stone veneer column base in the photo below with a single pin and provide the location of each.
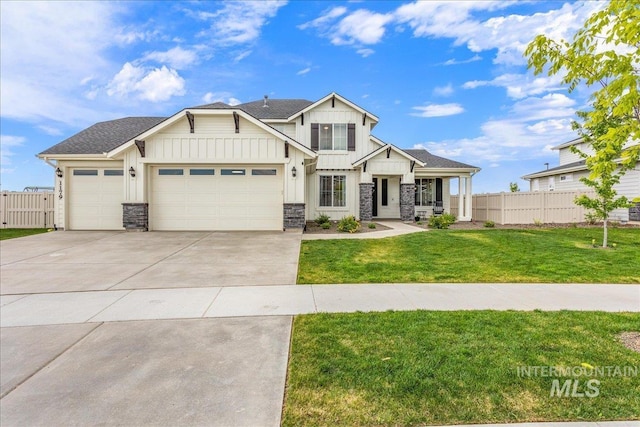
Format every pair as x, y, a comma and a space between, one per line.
135, 216
366, 201
407, 202
293, 215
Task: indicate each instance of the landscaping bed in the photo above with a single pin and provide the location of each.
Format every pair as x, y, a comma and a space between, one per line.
465, 367
314, 228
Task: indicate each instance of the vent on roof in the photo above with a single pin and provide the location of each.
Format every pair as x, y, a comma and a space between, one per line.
266, 101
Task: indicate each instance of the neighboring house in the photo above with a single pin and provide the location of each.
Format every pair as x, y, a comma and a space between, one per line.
271, 164
566, 176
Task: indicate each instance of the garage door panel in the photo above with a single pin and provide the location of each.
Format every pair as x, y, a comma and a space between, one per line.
222, 201
95, 199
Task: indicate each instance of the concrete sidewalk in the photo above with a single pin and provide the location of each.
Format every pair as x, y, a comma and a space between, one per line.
248, 301
396, 228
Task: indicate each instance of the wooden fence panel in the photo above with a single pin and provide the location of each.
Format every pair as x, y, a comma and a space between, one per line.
26, 210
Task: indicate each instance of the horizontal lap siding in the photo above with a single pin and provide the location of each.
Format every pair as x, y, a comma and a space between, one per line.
27, 210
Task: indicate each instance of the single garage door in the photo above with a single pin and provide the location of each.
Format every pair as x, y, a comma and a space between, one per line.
216, 197
95, 199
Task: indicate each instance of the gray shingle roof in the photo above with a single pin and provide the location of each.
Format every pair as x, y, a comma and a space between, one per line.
433, 161
277, 108
104, 136
553, 171
215, 106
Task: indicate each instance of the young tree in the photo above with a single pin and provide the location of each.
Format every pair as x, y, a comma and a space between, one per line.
513, 186
603, 55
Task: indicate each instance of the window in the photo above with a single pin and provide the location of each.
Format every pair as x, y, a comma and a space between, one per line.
232, 172
85, 172
202, 171
332, 136
113, 172
425, 192
263, 172
170, 172
333, 191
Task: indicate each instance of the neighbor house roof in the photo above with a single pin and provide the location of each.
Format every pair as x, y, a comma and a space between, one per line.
568, 143
433, 161
104, 136
569, 167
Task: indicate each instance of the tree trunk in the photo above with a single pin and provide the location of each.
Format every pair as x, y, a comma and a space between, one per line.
604, 240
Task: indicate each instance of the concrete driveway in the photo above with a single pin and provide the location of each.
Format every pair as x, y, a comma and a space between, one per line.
92, 261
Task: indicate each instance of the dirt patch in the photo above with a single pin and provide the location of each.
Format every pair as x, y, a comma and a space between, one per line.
631, 340
313, 228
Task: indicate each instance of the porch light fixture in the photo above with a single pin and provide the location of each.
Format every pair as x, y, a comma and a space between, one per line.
294, 171
132, 172
58, 173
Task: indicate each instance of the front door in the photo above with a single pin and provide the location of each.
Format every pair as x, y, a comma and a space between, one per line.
374, 197
388, 201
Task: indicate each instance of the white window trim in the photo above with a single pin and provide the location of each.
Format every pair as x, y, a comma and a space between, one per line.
332, 208
333, 150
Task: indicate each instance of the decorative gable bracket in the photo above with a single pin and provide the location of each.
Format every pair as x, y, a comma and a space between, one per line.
364, 118
140, 145
413, 164
236, 120
388, 152
192, 121
364, 166
286, 150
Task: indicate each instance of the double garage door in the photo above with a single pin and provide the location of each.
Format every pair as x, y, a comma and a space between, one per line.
182, 198
216, 197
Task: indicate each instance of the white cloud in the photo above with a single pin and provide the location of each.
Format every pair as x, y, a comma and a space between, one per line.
211, 97
177, 58
443, 90
6, 143
240, 22
48, 50
242, 55
303, 71
474, 58
520, 86
50, 130
323, 20
529, 126
361, 26
438, 110
365, 52
155, 85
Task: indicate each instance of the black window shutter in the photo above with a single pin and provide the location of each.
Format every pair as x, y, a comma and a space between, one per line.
351, 137
438, 189
385, 183
314, 136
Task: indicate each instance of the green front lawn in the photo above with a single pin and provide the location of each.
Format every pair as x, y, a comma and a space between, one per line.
562, 255
12, 233
420, 368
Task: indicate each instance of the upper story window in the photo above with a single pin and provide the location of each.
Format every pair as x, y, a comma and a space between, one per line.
333, 136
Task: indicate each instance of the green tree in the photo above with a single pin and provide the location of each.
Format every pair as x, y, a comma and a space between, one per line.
603, 55
513, 186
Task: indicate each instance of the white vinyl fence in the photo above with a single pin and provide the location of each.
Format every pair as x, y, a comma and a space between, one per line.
26, 209
526, 207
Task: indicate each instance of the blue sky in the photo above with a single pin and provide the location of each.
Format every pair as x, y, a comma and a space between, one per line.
445, 76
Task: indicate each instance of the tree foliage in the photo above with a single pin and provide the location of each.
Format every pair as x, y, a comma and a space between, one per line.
514, 187
604, 56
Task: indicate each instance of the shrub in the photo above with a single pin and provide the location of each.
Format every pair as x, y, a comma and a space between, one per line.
489, 224
325, 225
443, 221
372, 225
348, 224
322, 219
591, 218
537, 222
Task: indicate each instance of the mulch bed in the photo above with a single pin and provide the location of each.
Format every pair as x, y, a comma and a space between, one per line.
479, 225
313, 228
631, 340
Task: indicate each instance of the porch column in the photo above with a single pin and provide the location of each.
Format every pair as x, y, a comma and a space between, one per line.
407, 201
460, 199
469, 201
366, 201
